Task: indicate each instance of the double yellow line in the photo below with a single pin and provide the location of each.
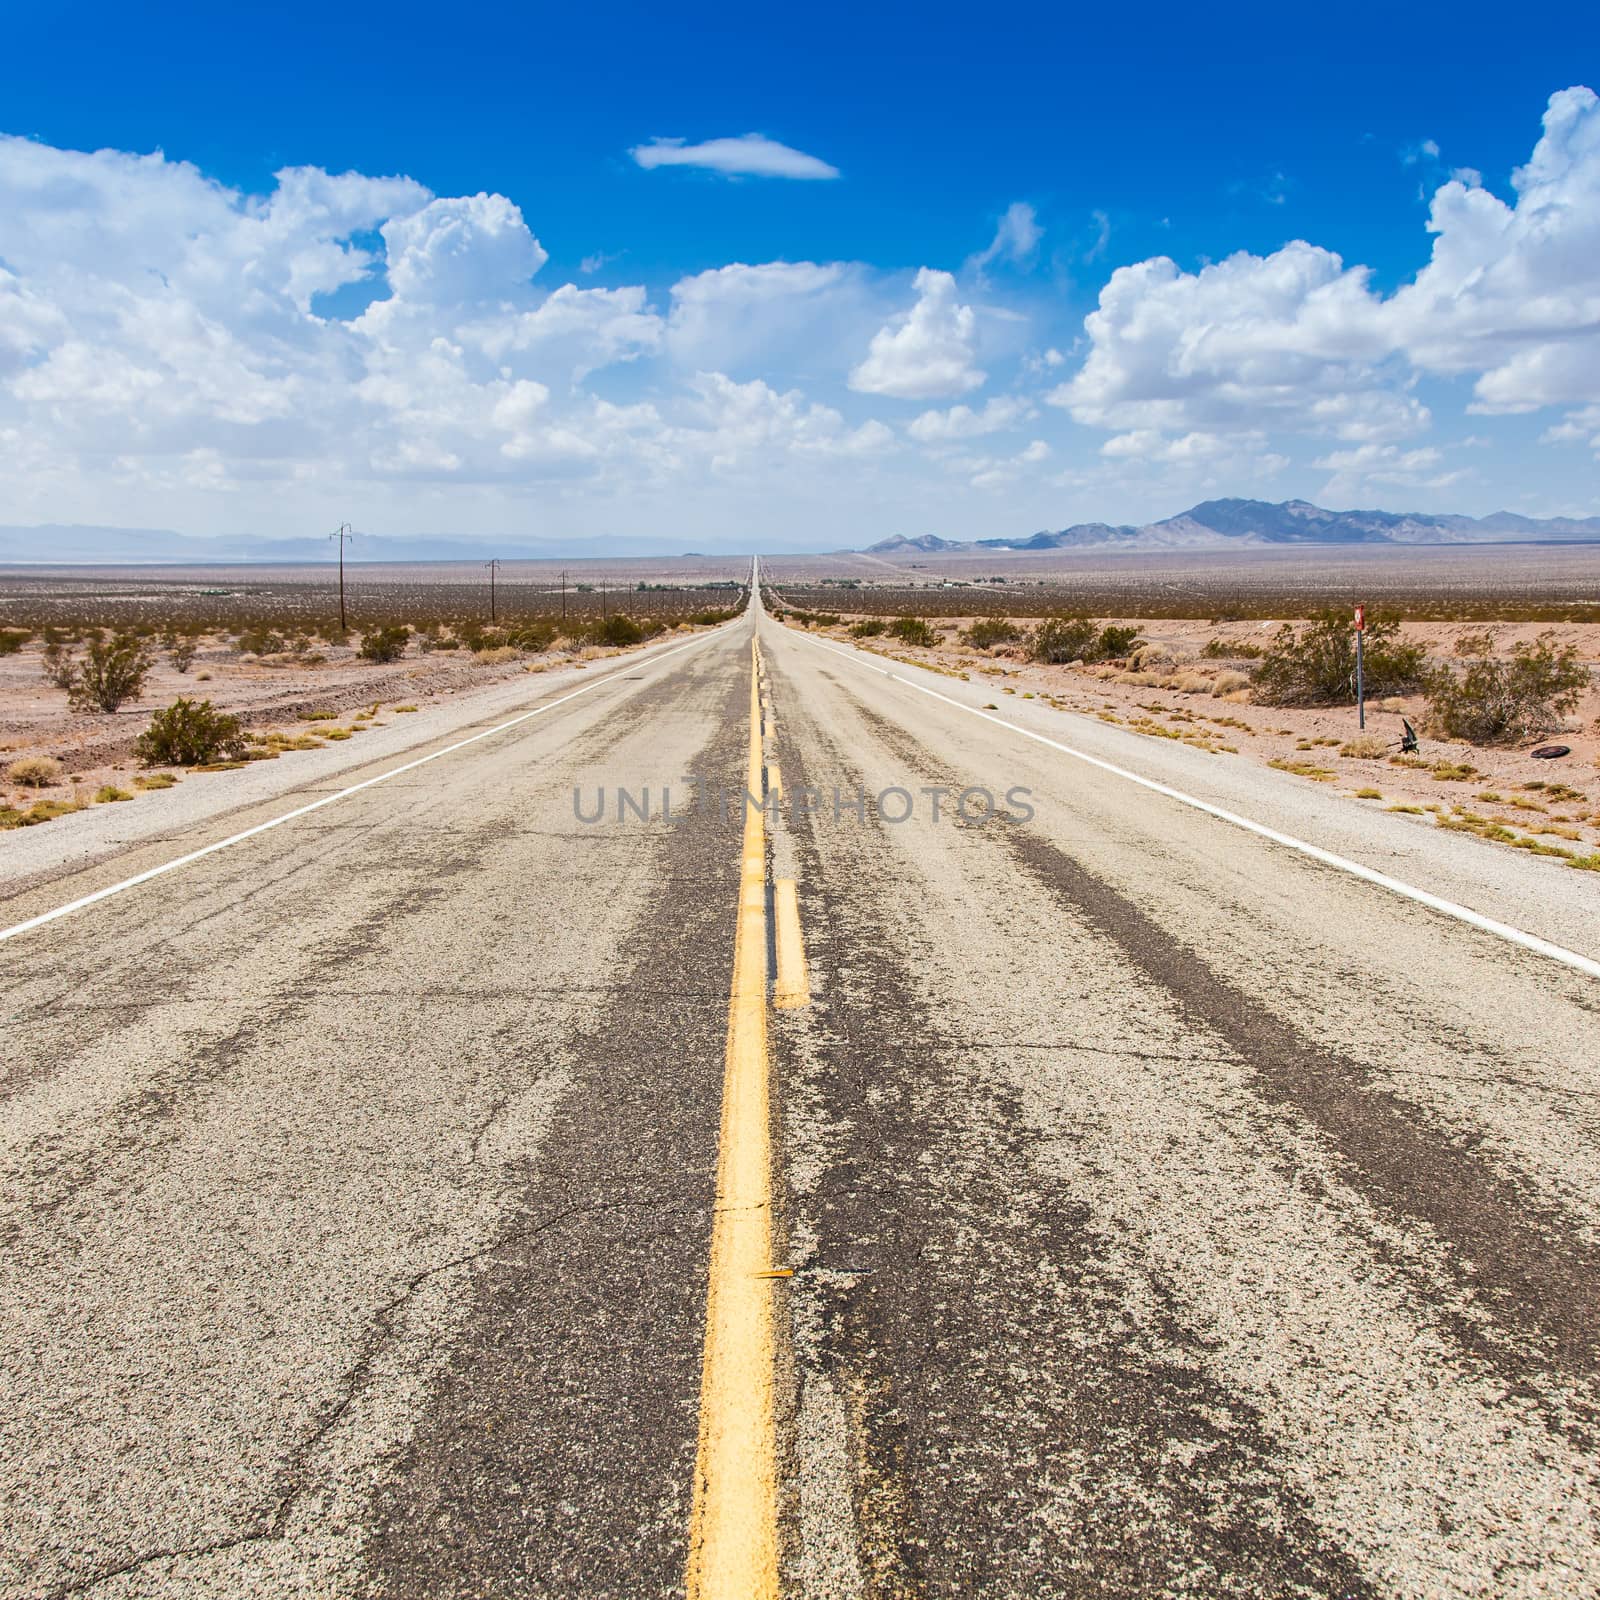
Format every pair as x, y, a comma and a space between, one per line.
733, 1531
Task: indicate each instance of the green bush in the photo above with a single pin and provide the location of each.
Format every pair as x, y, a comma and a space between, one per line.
189, 734
868, 628
113, 670
180, 651
913, 630
987, 632
617, 631
12, 640
1059, 639
1316, 665
1116, 641
1499, 701
385, 644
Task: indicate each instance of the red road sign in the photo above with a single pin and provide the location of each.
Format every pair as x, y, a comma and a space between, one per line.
1361, 619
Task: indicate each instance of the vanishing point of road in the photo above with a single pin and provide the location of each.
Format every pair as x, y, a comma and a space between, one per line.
1141, 1178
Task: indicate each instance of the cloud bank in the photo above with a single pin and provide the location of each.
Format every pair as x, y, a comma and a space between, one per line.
185, 352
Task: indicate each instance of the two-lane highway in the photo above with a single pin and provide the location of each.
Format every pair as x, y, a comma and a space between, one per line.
1152, 1208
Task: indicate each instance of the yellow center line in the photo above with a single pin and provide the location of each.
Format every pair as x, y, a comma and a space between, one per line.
733, 1529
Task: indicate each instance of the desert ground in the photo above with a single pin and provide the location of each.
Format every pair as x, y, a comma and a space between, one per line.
268, 650
1193, 687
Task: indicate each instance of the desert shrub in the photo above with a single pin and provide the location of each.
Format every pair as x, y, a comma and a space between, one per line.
914, 630
535, 636
12, 640
385, 644
1316, 665
617, 631
868, 628
987, 632
1231, 650
495, 655
1229, 683
1150, 658
56, 662
154, 780
1063, 638
112, 670
1193, 683
1116, 640
1500, 700
259, 642
108, 793
34, 772
180, 651
190, 733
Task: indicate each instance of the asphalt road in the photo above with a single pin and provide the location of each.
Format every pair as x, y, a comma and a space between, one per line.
1169, 1213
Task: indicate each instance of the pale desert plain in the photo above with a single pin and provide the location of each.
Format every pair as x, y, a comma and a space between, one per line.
1203, 618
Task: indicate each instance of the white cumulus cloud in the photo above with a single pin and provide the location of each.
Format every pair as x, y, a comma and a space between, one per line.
929, 352
1299, 341
962, 422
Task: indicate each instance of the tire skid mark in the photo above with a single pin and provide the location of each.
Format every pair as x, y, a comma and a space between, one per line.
557, 1451
1512, 1256
1015, 1435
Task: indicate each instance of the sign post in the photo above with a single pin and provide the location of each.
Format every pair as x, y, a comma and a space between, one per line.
1361, 692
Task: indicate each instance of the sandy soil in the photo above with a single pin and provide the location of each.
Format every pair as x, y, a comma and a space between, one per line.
1551, 805
277, 694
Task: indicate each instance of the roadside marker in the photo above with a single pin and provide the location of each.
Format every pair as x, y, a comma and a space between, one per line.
1449, 908
316, 805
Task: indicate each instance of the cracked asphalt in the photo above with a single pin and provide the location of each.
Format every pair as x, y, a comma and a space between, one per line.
1170, 1214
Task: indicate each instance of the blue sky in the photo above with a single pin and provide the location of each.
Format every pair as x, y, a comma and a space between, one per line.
782, 360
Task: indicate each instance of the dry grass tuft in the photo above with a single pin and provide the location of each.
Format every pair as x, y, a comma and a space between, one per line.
154, 780
1365, 747
35, 772
108, 793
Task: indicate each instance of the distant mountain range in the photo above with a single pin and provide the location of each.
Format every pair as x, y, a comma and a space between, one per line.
53, 544
1228, 524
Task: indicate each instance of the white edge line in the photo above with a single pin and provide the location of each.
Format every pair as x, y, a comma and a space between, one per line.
1449, 908
326, 800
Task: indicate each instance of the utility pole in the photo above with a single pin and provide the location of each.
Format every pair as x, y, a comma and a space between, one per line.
563, 597
344, 535
494, 567
1361, 689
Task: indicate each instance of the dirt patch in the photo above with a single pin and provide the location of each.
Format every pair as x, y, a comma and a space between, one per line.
285, 702
1189, 683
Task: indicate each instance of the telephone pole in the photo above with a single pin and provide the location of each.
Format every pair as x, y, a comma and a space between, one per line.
563, 597
344, 535
494, 567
